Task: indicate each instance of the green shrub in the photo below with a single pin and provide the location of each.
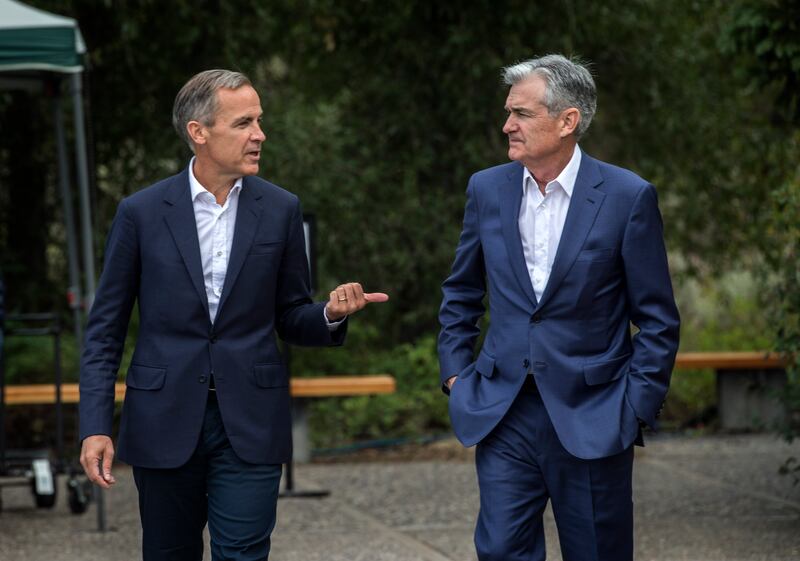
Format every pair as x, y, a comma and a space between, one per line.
721, 313
417, 407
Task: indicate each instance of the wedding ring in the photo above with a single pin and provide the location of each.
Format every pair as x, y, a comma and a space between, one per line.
342, 299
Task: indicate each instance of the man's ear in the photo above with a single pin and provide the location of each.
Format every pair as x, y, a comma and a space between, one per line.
197, 132
569, 121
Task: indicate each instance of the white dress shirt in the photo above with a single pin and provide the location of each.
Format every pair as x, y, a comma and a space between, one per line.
541, 220
215, 227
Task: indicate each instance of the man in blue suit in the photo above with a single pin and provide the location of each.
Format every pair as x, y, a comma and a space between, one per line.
570, 252
215, 258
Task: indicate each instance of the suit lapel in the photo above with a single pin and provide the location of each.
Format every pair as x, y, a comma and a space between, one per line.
583, 208
247, 218
510, 195
181, 223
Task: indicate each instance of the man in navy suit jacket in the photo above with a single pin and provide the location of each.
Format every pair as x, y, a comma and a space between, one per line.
215, 259
570, 252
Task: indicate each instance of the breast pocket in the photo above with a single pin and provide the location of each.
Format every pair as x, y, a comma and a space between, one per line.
266, 247
596, 255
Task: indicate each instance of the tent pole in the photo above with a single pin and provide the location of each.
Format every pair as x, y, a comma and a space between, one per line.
83, 190
74, 290
88, 241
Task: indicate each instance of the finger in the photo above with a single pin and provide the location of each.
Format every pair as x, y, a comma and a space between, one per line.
91, 466
358, 292
341, 297
352, 300
333, 309
372, 297
108, 460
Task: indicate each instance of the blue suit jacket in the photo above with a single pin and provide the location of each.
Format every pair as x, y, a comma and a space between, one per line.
610, 270
153, 258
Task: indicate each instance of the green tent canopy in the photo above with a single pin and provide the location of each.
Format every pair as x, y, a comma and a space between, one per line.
32, 39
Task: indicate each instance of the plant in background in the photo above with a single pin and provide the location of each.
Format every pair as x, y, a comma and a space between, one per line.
784, 300
764, 37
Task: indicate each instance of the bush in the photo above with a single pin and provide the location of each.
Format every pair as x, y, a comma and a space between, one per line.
417, 407
720, 313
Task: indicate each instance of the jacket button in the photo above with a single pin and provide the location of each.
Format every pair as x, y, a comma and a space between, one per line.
526, 363
537, 318
202, 379
213, 338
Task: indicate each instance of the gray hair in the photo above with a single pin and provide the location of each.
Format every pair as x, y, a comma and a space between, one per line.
568, 84
197, 100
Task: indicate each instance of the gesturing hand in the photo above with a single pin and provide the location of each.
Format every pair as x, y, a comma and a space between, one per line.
348, 299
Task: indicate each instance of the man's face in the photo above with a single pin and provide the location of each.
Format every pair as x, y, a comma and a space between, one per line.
231, 147
533, 135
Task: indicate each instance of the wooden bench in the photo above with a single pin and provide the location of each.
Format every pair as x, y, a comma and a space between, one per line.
301, 389
747, 385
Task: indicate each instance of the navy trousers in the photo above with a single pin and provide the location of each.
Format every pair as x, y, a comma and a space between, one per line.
238, 501
521, 465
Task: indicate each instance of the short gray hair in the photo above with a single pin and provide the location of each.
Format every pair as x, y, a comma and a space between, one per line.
568, 84
197, 100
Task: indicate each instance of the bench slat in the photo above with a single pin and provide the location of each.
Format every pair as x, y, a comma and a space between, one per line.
737, 360
326, 386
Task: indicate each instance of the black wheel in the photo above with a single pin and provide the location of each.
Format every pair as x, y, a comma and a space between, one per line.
45, 501
78, 496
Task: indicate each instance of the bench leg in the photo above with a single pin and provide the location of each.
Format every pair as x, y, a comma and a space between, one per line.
301, 441
748, 399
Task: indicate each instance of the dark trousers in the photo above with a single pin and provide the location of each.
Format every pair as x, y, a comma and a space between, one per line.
238, 501
521, 465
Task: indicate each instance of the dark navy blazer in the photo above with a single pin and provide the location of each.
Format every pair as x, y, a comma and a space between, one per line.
596, 378
153, 258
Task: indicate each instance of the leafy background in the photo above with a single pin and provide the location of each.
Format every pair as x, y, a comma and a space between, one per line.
377, 113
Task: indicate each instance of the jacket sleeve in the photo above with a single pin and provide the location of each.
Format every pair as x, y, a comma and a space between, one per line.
652, 307
108, 325
299, 321
463, 293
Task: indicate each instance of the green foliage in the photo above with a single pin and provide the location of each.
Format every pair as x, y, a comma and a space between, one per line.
376, 114
720, 314
31, 360
784, 288
417, 407
765, 34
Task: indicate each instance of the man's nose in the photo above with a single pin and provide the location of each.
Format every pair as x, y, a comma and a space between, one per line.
258, 134
509, 125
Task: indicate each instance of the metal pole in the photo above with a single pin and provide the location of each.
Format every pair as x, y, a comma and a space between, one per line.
56, 327
2, 381
83, 189
74, 291
86, 235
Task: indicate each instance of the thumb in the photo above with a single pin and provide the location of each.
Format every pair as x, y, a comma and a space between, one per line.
376, 297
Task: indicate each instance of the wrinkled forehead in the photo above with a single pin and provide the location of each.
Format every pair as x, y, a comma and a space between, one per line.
526, 93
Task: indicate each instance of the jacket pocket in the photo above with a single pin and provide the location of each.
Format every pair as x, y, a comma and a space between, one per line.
265, 247
600, 254
606, 371
271, 375
141, 377
485, 364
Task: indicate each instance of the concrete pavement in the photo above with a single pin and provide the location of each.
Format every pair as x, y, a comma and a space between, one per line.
711, 498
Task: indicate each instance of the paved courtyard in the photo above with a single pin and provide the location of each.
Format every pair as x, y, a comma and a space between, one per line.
711, 498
